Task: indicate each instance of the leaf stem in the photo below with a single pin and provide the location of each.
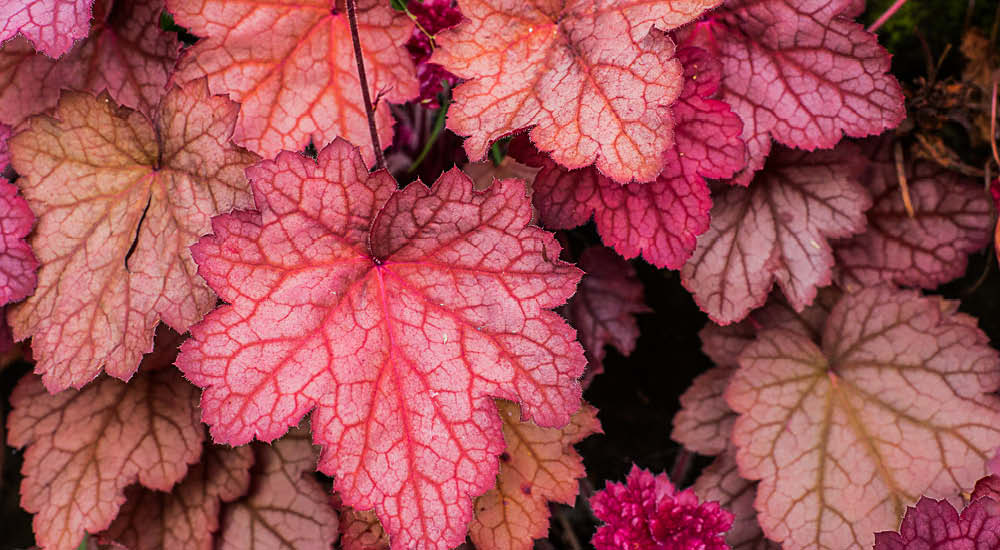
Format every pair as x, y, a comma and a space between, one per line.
885, 16
353, 19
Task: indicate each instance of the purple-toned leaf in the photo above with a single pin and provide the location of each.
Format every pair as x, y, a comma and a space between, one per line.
800, 71
952, 218
776, 232
936, 525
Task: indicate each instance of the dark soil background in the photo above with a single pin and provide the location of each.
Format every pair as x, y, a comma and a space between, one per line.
637, 396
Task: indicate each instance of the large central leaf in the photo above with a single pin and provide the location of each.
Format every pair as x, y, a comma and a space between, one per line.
894, 402
397, 315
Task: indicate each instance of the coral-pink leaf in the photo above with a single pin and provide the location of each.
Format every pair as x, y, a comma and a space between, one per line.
777, 231
287, 507
51, 25
705, 420
800, 71
291, 65
592, 79
85, 447
936, 525
126, 54
187, 516
952, 218
17, 263
603, 309
398, 316
834, 430
119, 199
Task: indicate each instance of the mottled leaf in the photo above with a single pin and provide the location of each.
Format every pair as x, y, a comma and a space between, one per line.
800, 71
721, 482
776, 232
952, 218
187, 516
398, 315
126, 54
287, 507
17, 262
936, 525
119, 199
604, 307
659, 220
590, 79
85, 447
51, 25
538, 466
892, 403
291, 65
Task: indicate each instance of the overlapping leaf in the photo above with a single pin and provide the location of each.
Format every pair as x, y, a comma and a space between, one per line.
936, 524
287, 507
85, 447
398, 316
661, 219
892, 402
119, 200
538, 466
51, 25
126, 54
591, 79
777, 231
952, 217
799, 71
603, 309
17, 262
188, 515
292, 67
4, 148
721, 482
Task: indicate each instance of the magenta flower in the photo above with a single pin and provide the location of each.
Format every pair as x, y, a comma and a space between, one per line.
647, 513
434, 16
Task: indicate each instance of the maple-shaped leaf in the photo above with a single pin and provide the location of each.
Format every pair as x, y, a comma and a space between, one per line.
51, 25
659, 220
603, 309
126, 54
892, 402
799, 71
952, 217
590, 79
539, 465
721, 482
85, 447
776, 232
291, 65
187, 516
17, 262
398, 315
936, 525
119, 199
287, 507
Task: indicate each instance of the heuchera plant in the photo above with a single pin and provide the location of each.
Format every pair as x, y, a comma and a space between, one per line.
225, 287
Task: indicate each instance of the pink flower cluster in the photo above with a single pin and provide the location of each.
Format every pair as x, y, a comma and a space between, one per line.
434, 16
647, 513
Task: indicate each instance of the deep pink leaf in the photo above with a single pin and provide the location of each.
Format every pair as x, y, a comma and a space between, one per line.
17, 262
398, 316
988, 486
291, 66
952, 218
188, 515
287, 507
593, 80
85, 447
835, 431
51, 25
4, 148
776, 232
119, 199
659, 220
603, 309
936, 525
800, 71
126, 54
